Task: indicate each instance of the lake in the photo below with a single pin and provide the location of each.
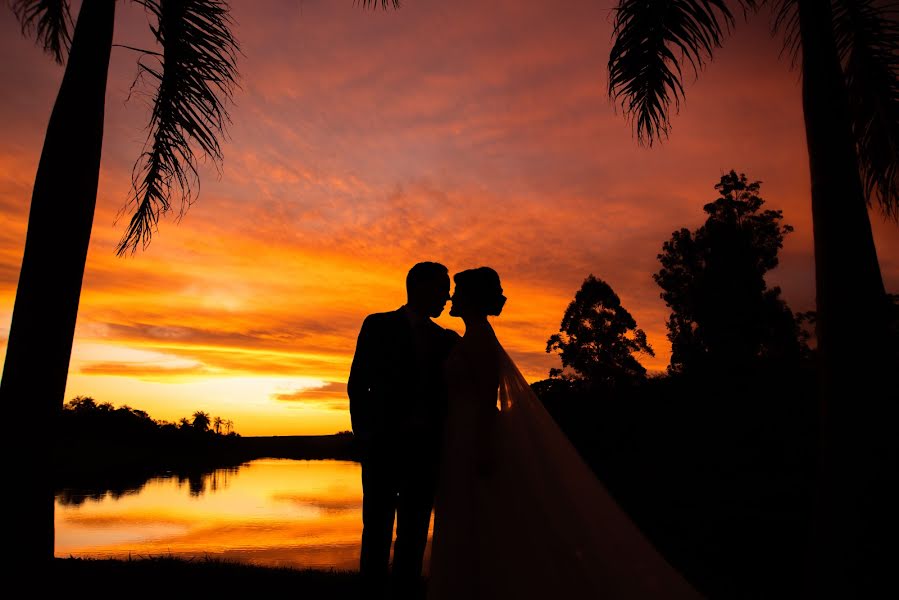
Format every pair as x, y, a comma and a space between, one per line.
275, 512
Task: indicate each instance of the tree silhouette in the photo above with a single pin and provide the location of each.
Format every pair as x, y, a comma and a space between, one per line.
200, 421
724, 318
217, 424
194, 77
850, 99
807, 346
598, 339
81, 404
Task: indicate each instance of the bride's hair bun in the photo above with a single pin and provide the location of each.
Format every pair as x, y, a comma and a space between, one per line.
497, 306
482, 286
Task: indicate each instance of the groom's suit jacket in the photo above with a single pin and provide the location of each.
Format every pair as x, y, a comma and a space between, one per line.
396, 386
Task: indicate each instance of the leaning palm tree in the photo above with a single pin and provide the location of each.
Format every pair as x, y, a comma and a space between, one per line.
850, 98
194, 74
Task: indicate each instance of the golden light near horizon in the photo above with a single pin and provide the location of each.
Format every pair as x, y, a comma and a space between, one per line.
363, 142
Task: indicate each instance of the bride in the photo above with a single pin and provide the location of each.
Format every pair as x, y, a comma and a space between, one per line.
518, 514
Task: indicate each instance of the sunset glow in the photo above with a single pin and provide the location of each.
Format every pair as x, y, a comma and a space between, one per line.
468, 133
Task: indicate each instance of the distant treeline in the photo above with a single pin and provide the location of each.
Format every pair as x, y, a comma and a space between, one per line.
100, 448
98, 444
125, 422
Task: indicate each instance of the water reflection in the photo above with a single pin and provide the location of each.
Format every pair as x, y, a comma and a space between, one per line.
197, 482
277, 512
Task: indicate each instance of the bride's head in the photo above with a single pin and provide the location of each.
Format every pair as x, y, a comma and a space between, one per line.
478, 293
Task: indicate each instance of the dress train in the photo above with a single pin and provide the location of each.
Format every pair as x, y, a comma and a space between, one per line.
522, 515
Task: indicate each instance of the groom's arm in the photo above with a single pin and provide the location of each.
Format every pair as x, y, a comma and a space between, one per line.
359, 382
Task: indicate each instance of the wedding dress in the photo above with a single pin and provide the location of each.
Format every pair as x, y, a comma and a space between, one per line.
518, 513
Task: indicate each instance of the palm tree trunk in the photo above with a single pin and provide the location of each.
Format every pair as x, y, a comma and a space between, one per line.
43, 323
851, 307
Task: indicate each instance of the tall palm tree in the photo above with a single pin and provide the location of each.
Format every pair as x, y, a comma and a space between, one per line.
194, 74
850, 98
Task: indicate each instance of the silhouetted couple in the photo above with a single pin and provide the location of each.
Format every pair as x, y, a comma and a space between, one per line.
448, 423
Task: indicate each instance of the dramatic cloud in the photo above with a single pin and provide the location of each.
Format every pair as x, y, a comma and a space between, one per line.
143, 370
364, 141
331, 394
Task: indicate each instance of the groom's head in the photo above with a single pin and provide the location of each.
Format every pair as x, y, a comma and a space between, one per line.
427, 288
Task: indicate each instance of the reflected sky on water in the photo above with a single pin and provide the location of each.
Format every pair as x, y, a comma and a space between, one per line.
274, 512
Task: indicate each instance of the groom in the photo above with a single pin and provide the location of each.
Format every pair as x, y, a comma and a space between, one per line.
397, 406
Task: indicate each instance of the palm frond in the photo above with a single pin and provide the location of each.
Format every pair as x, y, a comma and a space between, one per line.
195, 76
651, 40
50, 21
867, 36
786, 22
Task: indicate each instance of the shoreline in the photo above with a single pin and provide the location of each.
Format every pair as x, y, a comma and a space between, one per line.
115, 578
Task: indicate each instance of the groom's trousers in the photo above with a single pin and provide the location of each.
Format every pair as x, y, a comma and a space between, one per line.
398, 485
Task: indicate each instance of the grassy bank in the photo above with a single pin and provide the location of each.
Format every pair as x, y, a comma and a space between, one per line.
168, 576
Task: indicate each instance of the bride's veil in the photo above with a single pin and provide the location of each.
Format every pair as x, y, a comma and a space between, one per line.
564, 523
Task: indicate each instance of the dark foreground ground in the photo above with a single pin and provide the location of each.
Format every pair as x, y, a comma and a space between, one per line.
165, 577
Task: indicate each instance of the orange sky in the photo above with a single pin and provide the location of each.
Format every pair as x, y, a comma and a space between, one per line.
362, 142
